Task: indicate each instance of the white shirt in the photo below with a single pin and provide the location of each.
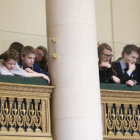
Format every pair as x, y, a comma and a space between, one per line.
16, 71
123, 66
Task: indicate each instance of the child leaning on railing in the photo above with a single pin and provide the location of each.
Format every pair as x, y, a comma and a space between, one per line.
9, 66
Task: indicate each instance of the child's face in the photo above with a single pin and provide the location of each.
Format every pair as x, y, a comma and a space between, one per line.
28, 60
39, 55
10, 64
106, 55
131, 58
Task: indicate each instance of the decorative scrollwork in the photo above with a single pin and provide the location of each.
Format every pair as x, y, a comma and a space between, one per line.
122, 119
20, 115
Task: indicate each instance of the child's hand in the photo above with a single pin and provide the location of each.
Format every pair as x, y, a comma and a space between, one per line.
46, 78
130, 83
29, 70
116, 79
105, 64
132, 67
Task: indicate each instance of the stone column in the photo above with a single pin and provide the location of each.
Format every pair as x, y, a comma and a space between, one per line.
76, 100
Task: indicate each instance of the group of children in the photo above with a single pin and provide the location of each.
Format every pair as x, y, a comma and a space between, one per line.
24, 61
29, 62
125, 70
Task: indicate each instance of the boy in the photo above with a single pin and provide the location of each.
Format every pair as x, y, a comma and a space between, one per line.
28, 58
126, 68
9, 66
106, 72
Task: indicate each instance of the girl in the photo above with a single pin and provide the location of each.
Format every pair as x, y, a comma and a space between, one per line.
41, 58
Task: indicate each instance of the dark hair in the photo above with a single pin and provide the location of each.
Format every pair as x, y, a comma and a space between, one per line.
11, 54
101, 48
27, 50
16, 46
43, 64
128, 49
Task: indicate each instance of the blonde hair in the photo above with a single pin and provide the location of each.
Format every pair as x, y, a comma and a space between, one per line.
101, 49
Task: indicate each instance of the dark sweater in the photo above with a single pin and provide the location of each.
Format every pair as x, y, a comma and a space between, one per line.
105, 75
123, 76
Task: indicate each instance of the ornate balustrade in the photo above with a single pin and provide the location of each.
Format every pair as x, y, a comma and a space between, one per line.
120, 112
25, 112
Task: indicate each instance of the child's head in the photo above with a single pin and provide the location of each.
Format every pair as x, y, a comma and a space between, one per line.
16, 46
10, 59
104, 52
28, 56
41, 54
130, 54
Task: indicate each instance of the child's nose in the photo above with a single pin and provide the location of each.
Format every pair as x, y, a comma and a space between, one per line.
12, 67
32, 60
108, 59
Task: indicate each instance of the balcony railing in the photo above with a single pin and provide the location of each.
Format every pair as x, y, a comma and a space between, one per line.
120, 112
25, 111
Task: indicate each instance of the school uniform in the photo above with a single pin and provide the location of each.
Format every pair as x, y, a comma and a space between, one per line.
123, 72
105, 75
35, 68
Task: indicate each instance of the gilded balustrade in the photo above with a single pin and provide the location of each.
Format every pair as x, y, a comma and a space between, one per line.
25, 112
120, 114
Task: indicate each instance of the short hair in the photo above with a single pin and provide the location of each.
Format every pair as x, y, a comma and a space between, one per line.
128, 49
11, 54
27, 50
101, 48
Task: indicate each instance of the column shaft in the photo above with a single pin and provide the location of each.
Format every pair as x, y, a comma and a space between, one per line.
76, 100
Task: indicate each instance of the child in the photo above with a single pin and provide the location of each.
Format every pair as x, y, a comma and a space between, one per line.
28, 58
9, 66
106, 73
41, 57
126, 68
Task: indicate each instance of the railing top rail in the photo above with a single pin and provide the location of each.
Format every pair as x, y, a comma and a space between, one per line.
118, 87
